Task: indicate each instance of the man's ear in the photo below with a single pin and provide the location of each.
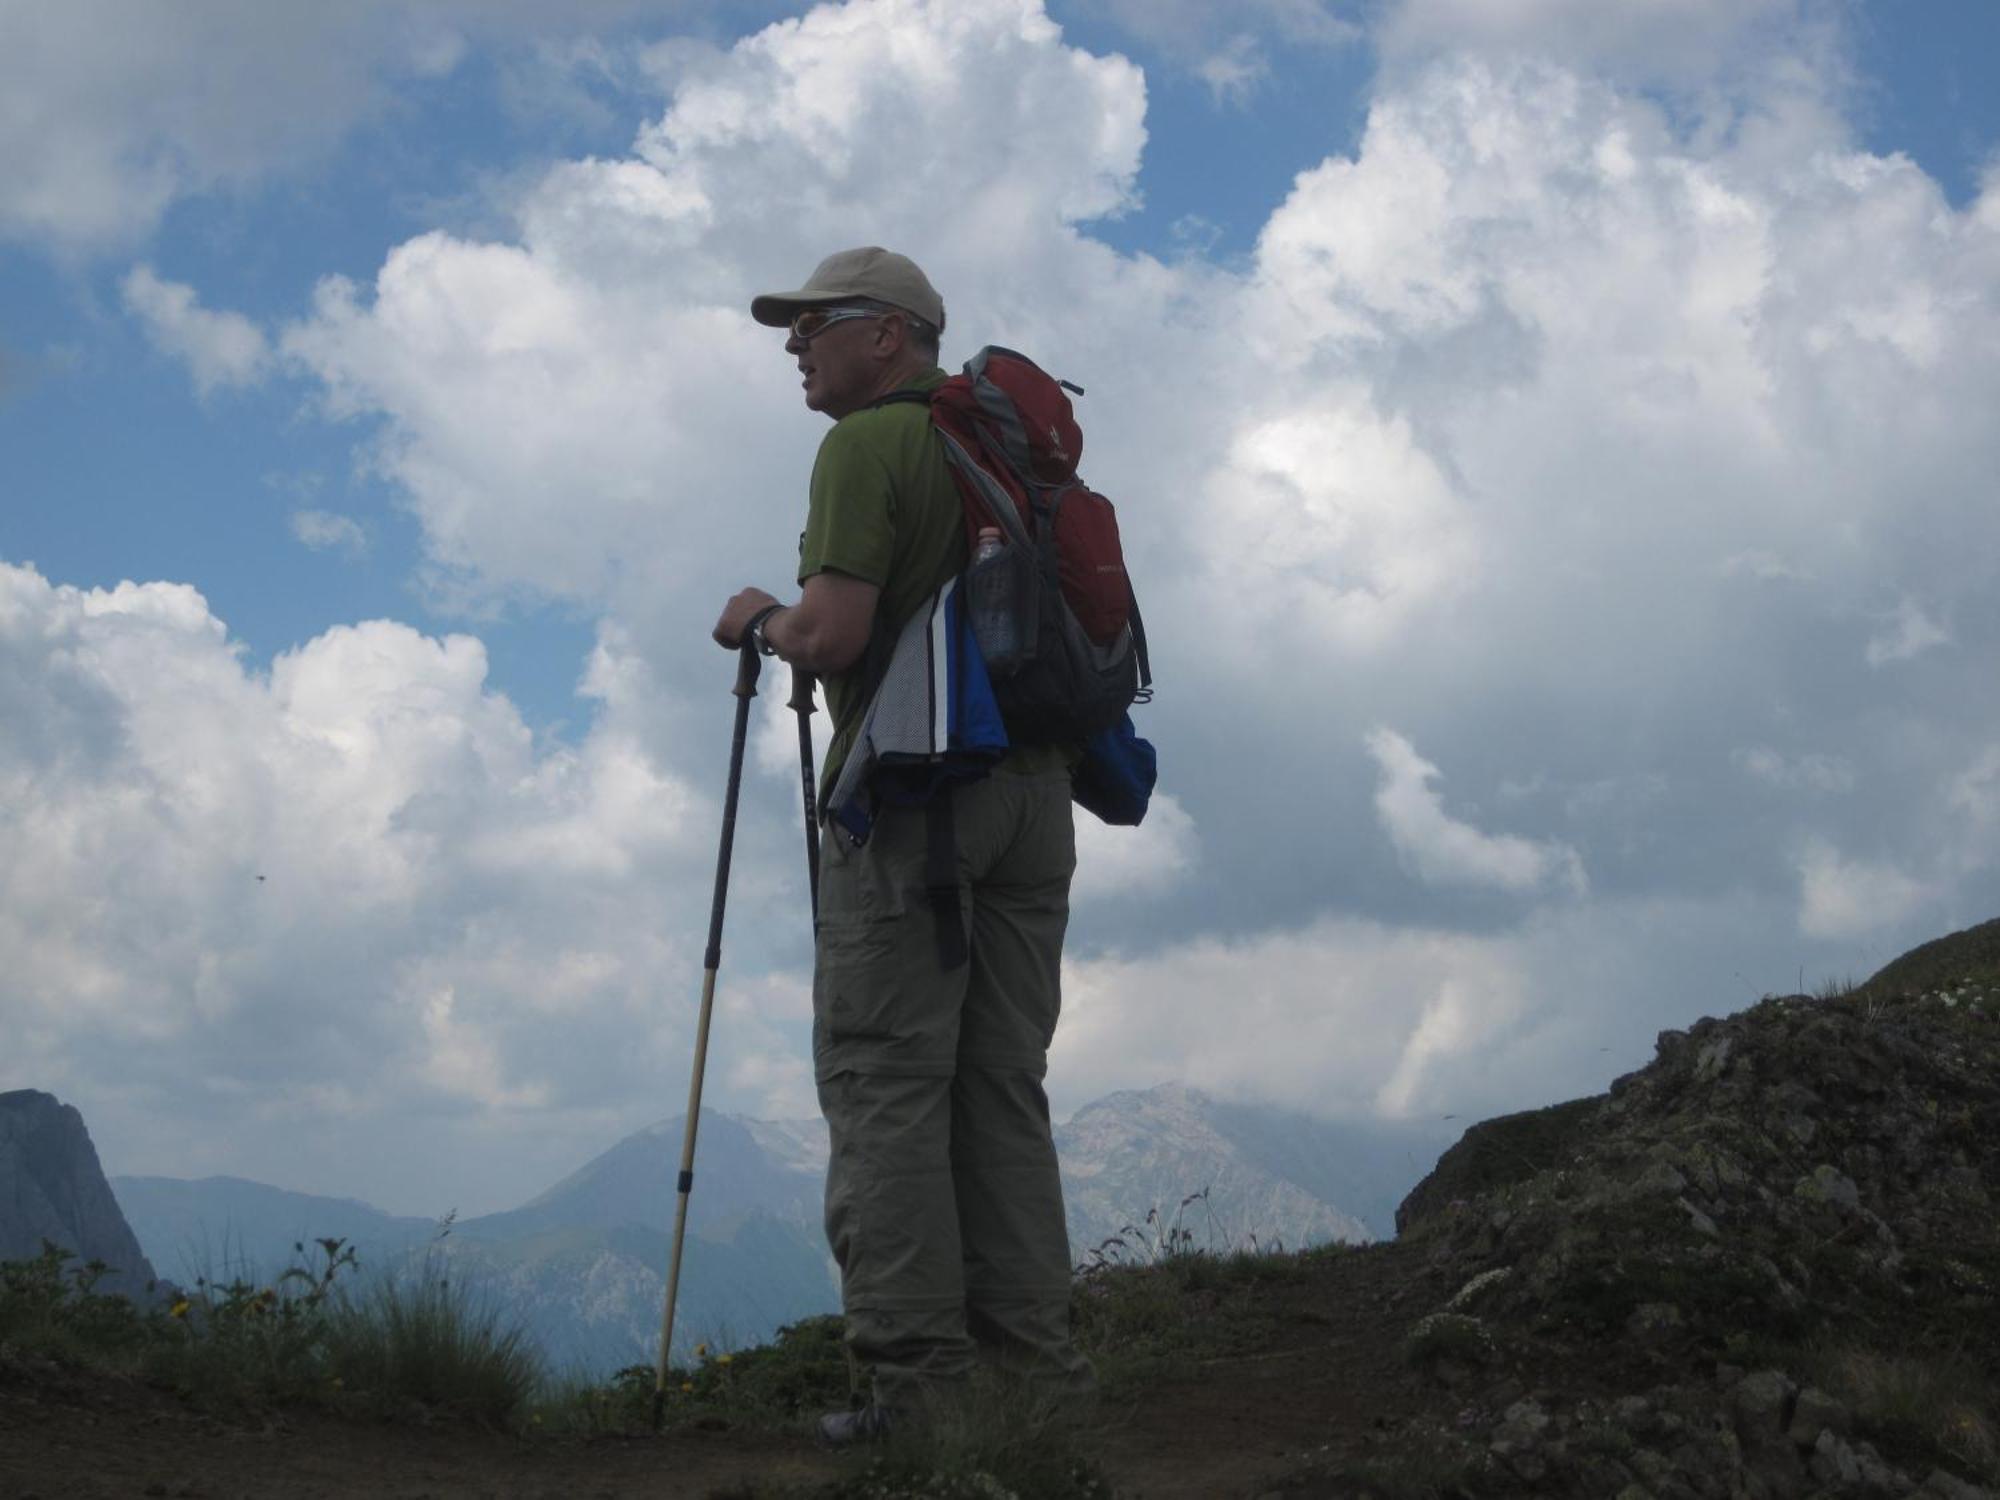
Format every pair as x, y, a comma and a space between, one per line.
896, 329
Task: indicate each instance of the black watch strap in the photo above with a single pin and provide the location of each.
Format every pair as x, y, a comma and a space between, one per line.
756, 629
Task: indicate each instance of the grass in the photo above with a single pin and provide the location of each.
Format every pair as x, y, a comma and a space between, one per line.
995, 1441
417, 1348
1939, 1404
802, 1371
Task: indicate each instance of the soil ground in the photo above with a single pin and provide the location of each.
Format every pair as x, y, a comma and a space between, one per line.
1325, 1386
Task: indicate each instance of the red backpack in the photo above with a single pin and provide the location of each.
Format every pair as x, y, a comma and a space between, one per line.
1054, 611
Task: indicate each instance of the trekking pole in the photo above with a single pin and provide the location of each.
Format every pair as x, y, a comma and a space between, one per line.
747, 666
802, 705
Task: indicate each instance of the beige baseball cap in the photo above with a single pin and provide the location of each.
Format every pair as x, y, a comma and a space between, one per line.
871, 271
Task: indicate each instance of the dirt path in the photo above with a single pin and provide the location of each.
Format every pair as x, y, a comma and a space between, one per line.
1323, 1386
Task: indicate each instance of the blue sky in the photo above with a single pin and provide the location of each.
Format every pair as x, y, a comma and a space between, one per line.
124, 471
1554, 441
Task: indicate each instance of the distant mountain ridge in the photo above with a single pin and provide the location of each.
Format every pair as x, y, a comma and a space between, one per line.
1261, 1177
221, 1227
583, 1263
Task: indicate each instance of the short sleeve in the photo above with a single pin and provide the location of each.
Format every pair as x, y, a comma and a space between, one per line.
850, 512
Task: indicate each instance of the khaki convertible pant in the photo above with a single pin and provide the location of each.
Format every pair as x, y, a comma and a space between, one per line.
943, 1205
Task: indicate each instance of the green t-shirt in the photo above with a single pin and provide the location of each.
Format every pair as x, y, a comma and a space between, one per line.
882, 509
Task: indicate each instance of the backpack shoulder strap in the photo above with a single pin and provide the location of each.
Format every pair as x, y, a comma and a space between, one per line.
896, 398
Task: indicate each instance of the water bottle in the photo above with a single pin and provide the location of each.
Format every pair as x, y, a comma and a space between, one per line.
991, 586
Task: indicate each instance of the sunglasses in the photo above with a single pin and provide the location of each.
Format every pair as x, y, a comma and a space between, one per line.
816, 320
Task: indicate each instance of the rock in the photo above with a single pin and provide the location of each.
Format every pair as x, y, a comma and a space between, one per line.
1702, 1223
52, 1188
1816, 1412
1711, 1060
1880, 1476
1943, 1486
1660, 1179
1828, 1184
1833, 1462
1654, 1320
1760, 1406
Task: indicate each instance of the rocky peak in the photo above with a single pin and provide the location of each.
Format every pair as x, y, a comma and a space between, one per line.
52, 1188
1805, 1188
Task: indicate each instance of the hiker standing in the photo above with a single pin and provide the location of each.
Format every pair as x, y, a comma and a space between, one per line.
943, 1204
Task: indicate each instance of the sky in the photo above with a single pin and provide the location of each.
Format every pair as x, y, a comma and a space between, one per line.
1553, 443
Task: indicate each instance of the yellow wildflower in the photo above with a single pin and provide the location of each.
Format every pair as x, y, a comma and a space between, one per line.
179, 1309
687, 1385
723, 1359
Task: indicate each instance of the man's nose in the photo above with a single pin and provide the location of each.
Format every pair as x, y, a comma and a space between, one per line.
795, 345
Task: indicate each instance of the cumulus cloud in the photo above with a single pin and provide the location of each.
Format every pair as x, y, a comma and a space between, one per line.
1346, 1017
356, 878
1975, 791
1495, 437
1840, 897
1559, 428
219, 348
1113, 863
589, 413
1444, 850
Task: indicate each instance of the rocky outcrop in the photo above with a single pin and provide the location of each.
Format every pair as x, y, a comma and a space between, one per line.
52, 1188
1770, 1259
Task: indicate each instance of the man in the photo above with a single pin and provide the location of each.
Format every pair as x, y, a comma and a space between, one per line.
943, 1205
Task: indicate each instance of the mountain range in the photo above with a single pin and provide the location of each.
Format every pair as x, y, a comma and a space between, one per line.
582, 1264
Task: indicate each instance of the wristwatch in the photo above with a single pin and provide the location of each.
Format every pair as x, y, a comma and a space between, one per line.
756, 631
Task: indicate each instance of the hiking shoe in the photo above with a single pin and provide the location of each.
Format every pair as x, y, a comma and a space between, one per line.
852, 1428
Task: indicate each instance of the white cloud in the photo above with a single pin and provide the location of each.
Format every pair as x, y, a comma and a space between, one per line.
1497, 435
1974, 800
1158, 855
1443, 850
1841, 897
219, 348
325, 530
1234, 73
1331, 518
584, 413
1504, 415
1352, 1018
357, 877
1907, 632
116, 111
1811, 772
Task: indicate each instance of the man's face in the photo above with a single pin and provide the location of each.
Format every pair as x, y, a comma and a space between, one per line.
841, 363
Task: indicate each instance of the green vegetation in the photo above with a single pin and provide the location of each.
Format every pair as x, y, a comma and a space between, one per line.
800, 1373
997, 1441
420, 1349
1938, 1404
1963, 961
